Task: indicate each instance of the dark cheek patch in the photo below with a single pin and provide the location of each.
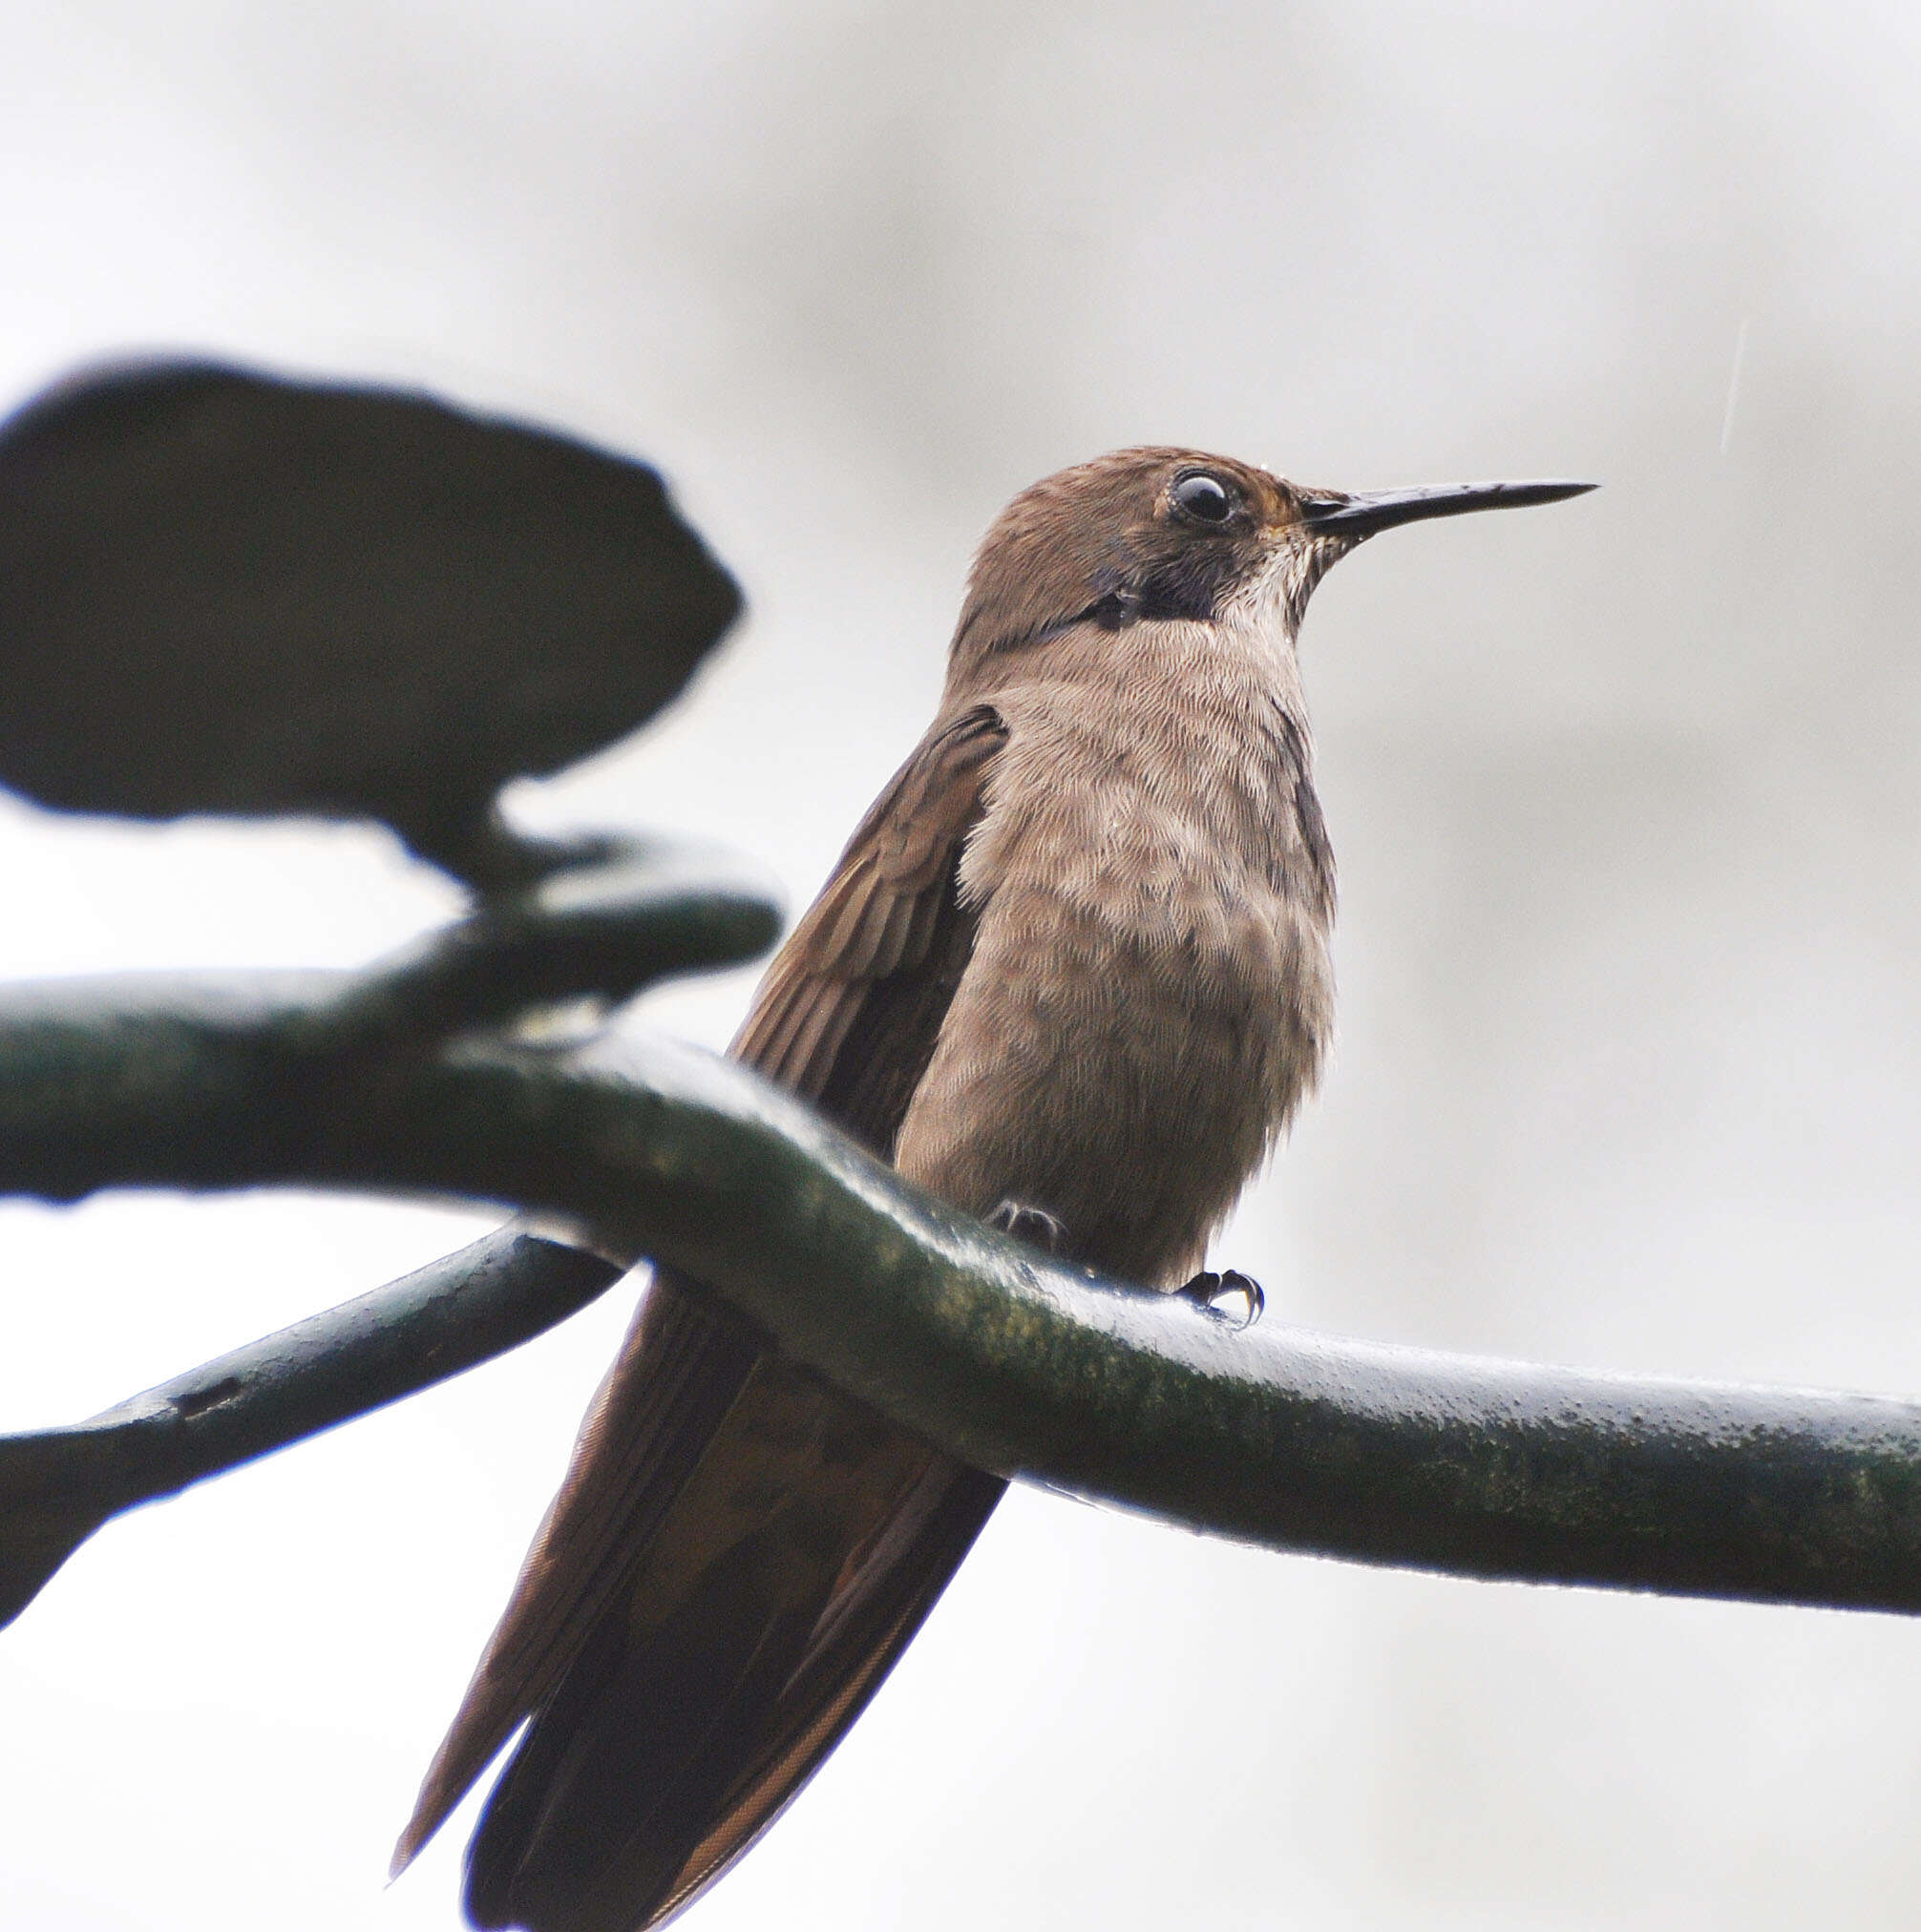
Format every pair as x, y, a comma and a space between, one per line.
1192, 584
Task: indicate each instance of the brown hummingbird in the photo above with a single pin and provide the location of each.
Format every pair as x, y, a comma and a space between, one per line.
1071, 974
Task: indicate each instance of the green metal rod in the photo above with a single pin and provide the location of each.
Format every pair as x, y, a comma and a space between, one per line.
1274, 1435
606, 916
59, 1485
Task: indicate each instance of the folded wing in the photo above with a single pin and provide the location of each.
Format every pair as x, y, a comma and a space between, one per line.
738, 1552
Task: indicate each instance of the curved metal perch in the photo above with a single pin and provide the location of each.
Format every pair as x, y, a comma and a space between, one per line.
58, 1486
1277, 1436
628, 913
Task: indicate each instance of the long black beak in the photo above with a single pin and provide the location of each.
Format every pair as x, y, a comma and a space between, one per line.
1363, 514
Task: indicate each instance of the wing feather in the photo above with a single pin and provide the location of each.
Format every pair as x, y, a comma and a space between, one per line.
847, 1016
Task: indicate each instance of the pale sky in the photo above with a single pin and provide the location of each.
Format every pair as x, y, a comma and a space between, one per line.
1624, 794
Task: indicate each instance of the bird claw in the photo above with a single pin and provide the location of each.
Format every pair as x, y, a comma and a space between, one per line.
1208, 1289
1034, 1226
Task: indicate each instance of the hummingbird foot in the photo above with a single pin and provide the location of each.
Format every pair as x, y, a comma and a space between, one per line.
1034, 1226
1209, 1290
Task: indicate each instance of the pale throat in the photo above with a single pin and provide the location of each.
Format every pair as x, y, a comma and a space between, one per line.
1274, 595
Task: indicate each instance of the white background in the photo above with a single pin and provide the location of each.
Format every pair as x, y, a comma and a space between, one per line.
1624, 791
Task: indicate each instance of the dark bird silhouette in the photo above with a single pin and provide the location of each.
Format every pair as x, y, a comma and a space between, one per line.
1071, 973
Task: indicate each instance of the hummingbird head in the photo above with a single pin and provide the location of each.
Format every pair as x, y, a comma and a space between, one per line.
1159, 534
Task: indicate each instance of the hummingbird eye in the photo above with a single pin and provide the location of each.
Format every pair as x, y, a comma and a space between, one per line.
1204, 497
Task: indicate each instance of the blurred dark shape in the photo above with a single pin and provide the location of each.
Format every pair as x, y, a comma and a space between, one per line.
221, 591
